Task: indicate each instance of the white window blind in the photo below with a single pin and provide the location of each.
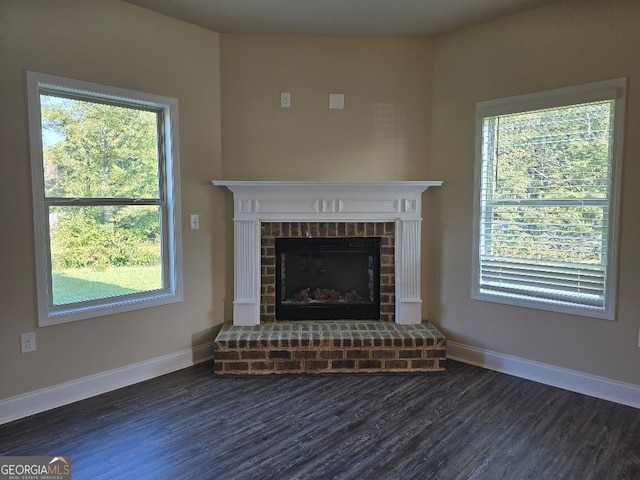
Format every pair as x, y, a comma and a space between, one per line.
544, 229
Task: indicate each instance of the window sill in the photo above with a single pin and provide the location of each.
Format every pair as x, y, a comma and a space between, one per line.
75, 313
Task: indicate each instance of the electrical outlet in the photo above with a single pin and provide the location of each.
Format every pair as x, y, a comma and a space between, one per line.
285, 99
28, 342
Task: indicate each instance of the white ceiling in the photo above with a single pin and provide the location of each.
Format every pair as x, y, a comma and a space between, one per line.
338, 17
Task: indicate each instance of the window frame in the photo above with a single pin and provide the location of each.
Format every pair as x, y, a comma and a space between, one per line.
615, 90
168, 201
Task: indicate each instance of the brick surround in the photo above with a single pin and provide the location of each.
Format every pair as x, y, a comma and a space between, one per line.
272, 230
329, 347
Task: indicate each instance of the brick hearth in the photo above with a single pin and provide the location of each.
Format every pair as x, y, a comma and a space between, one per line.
329, 347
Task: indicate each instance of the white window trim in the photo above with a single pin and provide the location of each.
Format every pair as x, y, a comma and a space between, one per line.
598, 91
107, 306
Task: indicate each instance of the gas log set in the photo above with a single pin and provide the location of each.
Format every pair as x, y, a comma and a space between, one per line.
324, 295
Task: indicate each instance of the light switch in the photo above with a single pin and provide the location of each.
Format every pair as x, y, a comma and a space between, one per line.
194, 221
336, 100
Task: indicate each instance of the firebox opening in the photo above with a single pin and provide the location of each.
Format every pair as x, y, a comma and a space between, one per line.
328, 278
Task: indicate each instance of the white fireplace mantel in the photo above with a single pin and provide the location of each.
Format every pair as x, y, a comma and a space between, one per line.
284, 201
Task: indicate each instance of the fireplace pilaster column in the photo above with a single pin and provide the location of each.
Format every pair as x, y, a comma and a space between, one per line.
246, 304
407, 261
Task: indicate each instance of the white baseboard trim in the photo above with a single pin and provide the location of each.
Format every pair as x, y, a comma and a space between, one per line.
24, 405
592, 385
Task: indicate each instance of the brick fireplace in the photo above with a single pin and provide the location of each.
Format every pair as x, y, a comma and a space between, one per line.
270, 214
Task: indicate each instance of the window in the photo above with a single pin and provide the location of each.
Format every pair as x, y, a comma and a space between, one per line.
105, 177
546, 211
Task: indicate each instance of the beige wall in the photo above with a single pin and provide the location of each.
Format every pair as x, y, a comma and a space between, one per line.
382, 133
113, 43
567, 43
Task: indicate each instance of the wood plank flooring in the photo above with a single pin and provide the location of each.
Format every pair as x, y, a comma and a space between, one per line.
466, 423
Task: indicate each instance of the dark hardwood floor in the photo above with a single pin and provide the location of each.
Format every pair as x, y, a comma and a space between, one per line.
466, 423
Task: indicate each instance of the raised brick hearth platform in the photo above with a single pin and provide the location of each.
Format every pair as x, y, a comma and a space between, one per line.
329, 347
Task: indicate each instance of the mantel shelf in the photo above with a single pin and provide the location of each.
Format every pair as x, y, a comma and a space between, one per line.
352, 187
